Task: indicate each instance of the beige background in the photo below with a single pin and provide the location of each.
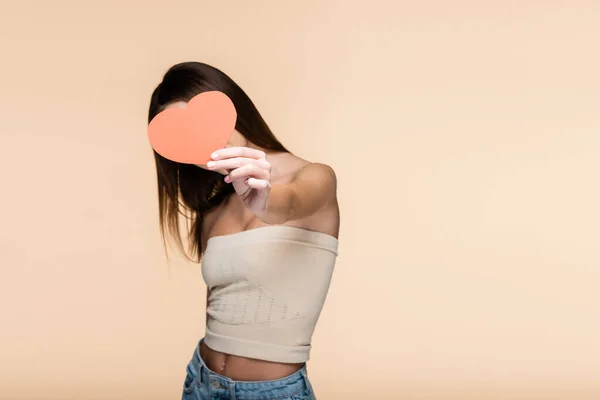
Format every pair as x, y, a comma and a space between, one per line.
466, 139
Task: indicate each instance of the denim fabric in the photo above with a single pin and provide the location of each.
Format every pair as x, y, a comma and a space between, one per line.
203, 384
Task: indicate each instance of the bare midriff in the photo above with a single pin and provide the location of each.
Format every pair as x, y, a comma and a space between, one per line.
245, 369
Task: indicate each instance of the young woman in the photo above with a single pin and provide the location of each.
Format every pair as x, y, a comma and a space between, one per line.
264, 224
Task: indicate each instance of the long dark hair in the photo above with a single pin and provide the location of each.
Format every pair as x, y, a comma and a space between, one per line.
185, 189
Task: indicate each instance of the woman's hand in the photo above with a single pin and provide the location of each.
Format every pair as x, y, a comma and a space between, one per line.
248, 171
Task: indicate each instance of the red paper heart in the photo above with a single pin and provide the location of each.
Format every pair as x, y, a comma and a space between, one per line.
190, 135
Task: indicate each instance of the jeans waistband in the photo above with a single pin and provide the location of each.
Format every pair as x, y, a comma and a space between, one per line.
288, 386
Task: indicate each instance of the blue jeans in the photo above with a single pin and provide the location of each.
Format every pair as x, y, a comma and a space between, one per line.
202, 384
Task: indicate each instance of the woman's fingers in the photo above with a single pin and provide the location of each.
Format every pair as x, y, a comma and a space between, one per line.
244, 152
248, 171
244, 165
238, 162
258, 183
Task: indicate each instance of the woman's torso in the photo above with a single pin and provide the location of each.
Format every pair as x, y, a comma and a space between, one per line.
233, 217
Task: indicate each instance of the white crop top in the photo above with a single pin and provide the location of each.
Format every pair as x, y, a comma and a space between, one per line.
267, 289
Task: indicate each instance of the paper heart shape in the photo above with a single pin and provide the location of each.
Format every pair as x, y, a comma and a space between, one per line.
190, 135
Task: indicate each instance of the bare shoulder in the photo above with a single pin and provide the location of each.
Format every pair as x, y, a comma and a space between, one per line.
315, 188
320, 175
317, 182
317, 169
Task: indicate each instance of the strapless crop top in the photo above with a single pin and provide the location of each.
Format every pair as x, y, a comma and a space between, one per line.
267, 290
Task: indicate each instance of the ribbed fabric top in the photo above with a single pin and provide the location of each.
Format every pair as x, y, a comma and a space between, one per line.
268, 286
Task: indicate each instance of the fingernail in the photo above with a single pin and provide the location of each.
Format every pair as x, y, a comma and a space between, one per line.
210, 164
215, 155
227, 179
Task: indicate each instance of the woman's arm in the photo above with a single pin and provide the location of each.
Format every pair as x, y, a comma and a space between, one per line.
312, 189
